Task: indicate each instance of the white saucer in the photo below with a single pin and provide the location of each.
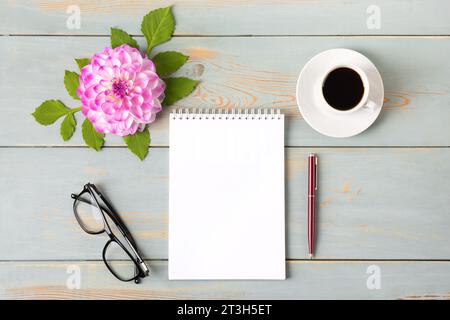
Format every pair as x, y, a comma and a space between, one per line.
311, 108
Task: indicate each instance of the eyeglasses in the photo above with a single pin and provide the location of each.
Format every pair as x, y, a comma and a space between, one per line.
95, 215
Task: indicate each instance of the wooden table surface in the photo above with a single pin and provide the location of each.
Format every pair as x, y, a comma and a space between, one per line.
384, 203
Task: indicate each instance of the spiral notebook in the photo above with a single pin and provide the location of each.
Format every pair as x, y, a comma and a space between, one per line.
226, 195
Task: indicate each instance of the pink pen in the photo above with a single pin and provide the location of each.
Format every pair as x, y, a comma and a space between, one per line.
312, 188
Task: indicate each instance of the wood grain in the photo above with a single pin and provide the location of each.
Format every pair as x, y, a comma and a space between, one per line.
242, 73
235, 17
306, 280
374, 203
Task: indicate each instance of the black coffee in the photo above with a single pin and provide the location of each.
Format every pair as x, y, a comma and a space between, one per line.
343, 89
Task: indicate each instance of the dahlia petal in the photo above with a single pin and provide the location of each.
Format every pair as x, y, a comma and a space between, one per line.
137, 100
115, 62
100, 99
142, 79
121, 115
84, 110
124, 57
105, 72
99, 128
128, 122
158, 91
148, 65
86, 71
137, 112
89, 93
141, 127
92, 105
156, 107
152, 118
138, 90
92, 116
108, 108
113, 129
126, 103
84, 100
130, 130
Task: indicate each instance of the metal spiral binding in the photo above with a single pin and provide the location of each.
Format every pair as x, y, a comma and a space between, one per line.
235, 113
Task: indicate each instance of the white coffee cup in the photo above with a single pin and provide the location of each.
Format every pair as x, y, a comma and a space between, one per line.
363, 103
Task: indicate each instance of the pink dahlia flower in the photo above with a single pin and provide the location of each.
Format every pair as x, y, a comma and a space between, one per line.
120, 91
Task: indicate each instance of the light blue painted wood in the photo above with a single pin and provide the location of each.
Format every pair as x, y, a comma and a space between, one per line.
376, 203
306, 280
212, 17
242, 72
373, 203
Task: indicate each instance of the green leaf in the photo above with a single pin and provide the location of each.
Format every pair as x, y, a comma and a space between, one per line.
71, 81
178, 88
168, 62
82, 62
138, 143
157, 27
120, 37
68, 126
91, 137
49, 111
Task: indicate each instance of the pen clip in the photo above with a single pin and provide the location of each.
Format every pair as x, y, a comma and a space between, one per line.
315, 172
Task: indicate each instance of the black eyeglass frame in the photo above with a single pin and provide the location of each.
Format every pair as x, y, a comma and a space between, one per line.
141, 268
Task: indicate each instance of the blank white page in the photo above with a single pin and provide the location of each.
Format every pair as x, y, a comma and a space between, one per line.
226, 197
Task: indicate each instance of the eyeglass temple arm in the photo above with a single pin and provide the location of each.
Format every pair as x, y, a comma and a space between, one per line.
128, 237
118, 220
111, 213
74, 196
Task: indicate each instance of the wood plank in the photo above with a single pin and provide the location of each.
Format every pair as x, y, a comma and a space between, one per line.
374, 203
219, 17
242, 72
306, 280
